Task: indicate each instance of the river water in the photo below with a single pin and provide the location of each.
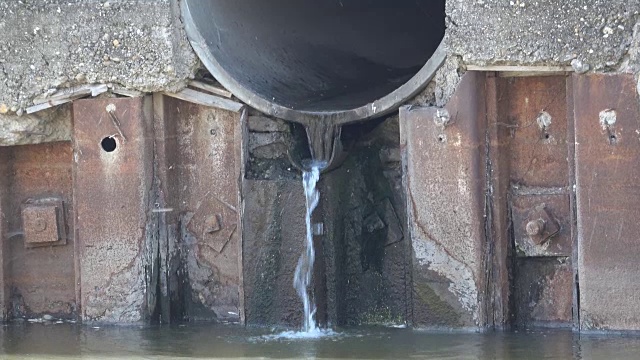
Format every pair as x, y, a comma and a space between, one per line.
68, 341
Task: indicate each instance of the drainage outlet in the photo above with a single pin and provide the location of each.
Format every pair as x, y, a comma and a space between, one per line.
304, 60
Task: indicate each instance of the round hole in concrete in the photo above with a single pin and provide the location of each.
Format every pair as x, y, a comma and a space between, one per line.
302, 60
109, 144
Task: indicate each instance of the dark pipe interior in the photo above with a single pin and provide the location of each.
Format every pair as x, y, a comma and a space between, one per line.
320, 55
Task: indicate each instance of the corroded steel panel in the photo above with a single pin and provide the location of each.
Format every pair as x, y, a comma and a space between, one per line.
607, 125
543, 291
531, 151
42, 278
112, 180
274, 230
498, 230
555, 233
202, 187
444, 178
5, 169
534, 111
43, 223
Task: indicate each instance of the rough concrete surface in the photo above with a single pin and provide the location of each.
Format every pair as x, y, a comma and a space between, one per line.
541, 32
44, 126
47, 44
443, 85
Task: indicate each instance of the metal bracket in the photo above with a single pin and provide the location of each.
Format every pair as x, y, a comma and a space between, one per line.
43, 223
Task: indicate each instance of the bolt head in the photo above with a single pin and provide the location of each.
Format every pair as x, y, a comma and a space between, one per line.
535, 227
39, 225
442, 117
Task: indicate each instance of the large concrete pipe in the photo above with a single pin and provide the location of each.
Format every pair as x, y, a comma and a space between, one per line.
302, 60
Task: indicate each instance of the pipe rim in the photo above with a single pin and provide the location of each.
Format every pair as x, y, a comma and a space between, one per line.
379, 107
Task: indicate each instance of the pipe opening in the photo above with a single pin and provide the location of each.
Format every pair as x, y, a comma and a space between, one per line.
294, 57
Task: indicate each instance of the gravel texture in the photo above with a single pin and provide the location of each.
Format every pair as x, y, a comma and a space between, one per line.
47, 45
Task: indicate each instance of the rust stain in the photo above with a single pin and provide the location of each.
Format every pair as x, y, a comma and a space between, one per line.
608, 194
112, 181
37, 179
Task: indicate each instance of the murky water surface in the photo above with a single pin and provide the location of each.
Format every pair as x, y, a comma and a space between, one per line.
39, 341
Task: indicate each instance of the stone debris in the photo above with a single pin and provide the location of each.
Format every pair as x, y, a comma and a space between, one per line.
45, 126
266, 124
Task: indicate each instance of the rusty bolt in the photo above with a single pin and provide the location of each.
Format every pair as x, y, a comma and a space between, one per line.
39, 225
608, 118
535, 227
442, 117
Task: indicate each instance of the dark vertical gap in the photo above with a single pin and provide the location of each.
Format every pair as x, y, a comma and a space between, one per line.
154, 225
9, 288
6, 180
512, 269
179, 287
166, 313
171, 282
156, 315
571, 143
408, 246
319, 268
489, 233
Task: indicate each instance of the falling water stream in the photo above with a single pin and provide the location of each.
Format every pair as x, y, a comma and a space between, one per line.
304, 269
303, 274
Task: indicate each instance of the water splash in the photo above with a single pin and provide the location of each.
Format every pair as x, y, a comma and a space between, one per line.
302, 277
314, 334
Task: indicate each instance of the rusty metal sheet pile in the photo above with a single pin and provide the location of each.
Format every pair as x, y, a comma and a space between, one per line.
443, 154
112, 180
518, 203
607, 119
38, 247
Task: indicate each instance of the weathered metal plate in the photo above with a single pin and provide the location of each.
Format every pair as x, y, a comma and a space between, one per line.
113, 165
38, 174
202, 150
499, 234
543, 292
273, 229
43, 223
557, 242
4, 248
444, 180
534, 111
608, 198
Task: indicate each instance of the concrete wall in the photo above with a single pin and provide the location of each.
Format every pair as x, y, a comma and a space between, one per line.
48, 45
57, 44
